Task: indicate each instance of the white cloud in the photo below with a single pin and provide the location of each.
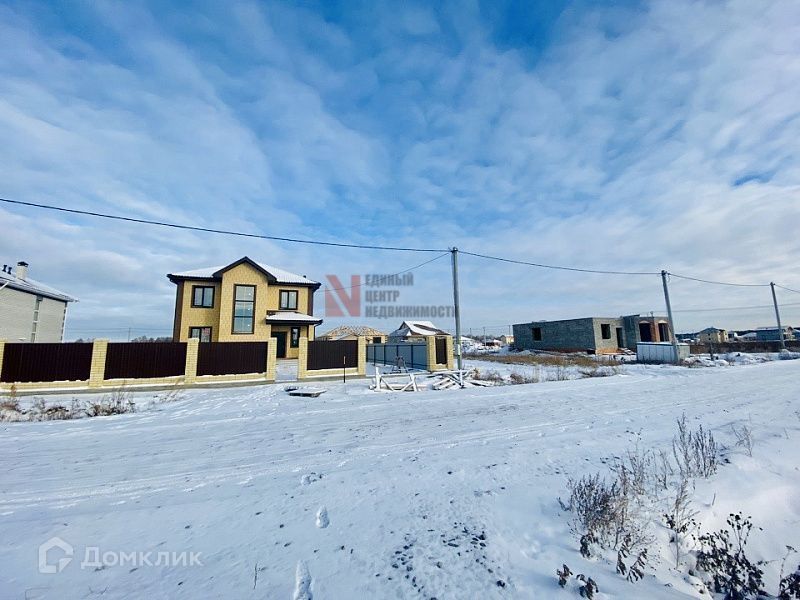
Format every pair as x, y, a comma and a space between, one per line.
617, 146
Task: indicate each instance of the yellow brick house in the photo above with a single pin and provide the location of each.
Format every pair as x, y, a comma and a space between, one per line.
245, 301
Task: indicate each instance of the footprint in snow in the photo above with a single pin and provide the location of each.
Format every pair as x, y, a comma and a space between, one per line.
302, 582
322, 517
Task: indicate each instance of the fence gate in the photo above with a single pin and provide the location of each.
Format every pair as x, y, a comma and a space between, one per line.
413, 355
337, 354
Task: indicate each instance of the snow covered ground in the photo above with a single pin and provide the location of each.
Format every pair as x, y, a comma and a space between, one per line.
357, 494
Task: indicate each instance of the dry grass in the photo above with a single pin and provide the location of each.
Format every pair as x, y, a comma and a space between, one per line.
545, 360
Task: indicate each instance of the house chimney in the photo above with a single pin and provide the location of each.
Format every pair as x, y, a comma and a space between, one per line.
22, 270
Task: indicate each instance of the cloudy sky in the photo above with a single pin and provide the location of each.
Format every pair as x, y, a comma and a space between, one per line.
622, 136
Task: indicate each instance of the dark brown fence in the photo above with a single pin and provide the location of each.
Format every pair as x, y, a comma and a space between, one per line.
145, 360
26, 363
332, 355
231, 358
441, 351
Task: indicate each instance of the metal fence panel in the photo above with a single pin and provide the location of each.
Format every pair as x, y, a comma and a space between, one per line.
337, 354
414, 355
26, 363
231, 358
145, 360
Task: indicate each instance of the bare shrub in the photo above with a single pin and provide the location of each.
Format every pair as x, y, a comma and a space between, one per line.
723, 558
600, 371
680, 518
695, 452
543, 360
744, 438
596, 505
492, 376
518, 378
10, 404
119, 401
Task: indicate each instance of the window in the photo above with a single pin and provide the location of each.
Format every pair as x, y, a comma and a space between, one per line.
202, 296
288, 300
537, 334
295, 337
244, 307
201, 333
377, 339
605, 331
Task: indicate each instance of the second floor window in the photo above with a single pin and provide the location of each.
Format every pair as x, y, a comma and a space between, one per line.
288, 300
202, 296
244, 308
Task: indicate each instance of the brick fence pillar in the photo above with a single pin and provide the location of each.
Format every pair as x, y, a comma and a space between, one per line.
430, 347
2, 350
449, 343
272, 359
362, 355
302, 359
97, 373
192, 350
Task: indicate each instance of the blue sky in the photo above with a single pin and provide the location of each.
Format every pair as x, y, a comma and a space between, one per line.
630, 135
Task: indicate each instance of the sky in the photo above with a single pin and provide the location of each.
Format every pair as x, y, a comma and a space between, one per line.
607, 135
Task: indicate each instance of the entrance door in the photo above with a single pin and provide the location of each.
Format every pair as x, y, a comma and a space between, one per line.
280, 336
619, 337
645, 333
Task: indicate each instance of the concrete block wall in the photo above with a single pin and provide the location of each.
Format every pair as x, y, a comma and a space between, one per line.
569, 335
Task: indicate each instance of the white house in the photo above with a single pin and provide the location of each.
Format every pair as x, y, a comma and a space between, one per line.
30, 311
414, 331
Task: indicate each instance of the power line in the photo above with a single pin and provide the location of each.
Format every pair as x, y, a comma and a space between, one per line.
734, 307
385, 277
219, 231
787, 289
718, 282
369, 246
558, 267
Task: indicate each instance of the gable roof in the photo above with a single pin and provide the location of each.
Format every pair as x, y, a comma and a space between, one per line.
409, 328
347, 330
274, 274
33, 287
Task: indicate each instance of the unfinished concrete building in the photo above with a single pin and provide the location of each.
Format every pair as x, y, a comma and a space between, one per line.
595, 335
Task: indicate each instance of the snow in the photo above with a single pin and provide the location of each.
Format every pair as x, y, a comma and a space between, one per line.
281, 275
291, 317
345, 495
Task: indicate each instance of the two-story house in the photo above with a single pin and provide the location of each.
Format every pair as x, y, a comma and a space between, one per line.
30, 311
245, 301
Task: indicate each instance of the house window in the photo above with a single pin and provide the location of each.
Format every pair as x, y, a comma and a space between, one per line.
288, 300
244, 308
377, 339
202, 296
201, 333
294, 341
605, 331
537, 334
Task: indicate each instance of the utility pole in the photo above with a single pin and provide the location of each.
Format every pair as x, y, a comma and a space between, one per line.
457, 308
669, 316
777, 315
